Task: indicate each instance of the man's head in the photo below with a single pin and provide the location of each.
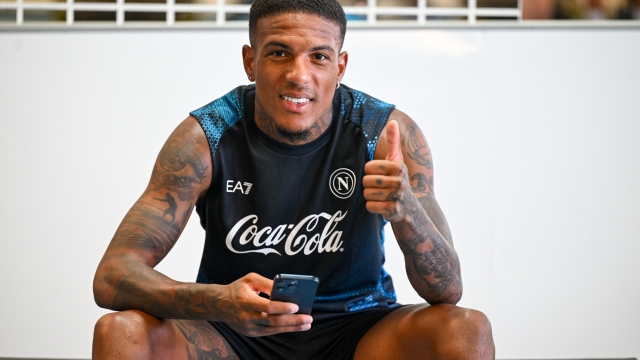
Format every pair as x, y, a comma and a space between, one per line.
296, 61
329, 10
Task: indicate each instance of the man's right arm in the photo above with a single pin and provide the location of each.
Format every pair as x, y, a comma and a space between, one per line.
125, 278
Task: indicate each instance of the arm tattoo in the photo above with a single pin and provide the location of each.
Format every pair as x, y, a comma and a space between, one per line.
431, 207
177, 170
435, 268
144, 228
422, 183
417, 149
431, 262
178, 167
421, 230
173, 206
152, 227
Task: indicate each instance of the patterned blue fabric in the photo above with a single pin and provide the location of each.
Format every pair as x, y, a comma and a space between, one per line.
219, 115
367, 112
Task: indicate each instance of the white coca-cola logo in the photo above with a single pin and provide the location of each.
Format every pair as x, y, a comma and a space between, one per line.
302, 237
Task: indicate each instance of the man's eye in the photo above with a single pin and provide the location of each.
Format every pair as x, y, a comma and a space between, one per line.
278, 53
320, 57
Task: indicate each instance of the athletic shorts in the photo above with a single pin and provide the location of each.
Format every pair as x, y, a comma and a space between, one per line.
332, 336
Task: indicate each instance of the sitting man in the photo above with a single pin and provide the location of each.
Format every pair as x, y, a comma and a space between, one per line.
296, 174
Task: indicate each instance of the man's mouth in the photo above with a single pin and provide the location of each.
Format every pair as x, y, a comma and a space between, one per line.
295, 100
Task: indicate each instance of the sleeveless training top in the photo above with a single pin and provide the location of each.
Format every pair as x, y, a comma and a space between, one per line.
296, 209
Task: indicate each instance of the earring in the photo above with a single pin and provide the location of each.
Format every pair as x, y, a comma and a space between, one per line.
250, 78
337, 85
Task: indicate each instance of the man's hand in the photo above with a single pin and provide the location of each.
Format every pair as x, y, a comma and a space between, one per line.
386, 184
246, 312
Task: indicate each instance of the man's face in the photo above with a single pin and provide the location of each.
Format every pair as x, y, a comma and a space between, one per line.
297, 64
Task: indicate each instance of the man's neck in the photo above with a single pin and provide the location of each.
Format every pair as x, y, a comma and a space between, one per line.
268, 126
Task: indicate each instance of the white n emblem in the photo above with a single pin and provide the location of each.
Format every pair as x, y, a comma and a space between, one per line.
342, 183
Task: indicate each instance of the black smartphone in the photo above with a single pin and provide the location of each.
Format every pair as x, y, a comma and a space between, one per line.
297, 289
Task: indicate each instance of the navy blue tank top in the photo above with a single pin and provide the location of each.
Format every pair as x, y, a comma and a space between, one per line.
297, 209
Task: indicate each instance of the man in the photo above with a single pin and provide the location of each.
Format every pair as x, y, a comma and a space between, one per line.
296, 174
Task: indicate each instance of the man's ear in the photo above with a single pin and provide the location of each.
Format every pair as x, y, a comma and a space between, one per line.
343, 58
248, 60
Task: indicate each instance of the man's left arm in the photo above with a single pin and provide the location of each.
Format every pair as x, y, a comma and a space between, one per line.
399, 186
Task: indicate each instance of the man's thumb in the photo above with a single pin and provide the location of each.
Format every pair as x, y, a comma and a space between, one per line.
394, 152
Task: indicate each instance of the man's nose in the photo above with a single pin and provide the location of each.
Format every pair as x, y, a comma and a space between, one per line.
300, 71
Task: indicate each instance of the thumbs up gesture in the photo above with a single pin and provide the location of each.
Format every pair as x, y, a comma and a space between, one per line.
386, 184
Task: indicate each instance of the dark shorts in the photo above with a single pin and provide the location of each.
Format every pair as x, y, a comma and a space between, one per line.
332, 336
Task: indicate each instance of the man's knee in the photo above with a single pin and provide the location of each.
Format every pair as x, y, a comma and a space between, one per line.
130, 323
123, 334
446, 332
466, 332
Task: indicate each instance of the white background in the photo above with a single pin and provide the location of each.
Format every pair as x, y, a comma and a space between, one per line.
534, 134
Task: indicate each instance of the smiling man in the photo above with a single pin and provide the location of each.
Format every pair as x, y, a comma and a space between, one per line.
295, 174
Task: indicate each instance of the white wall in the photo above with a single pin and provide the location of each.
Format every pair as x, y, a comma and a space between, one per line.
534, 134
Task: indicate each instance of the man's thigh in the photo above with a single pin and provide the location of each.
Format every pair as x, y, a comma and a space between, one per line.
428, 332
136, 335
201, 341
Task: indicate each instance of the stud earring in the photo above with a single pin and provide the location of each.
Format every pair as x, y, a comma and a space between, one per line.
249, 77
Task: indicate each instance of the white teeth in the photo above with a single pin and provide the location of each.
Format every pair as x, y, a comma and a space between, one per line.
294, 100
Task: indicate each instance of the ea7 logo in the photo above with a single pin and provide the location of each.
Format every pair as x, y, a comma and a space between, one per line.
342, 183
239, 186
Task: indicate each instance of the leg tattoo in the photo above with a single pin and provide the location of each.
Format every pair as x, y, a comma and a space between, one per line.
204, 342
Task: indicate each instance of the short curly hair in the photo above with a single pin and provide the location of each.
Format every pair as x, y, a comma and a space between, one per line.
329, 10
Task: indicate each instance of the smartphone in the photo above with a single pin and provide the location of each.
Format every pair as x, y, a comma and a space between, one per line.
297, 289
